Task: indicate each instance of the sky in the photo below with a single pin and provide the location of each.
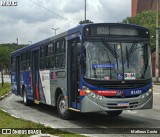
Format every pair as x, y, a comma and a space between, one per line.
32, 20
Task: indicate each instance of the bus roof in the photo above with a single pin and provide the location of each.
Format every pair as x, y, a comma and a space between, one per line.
79, 28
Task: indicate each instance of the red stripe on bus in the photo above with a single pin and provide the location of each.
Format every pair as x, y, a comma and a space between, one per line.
37, 93
106, 92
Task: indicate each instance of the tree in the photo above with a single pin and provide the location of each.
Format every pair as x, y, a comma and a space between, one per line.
85, 21
146, 19
5, 51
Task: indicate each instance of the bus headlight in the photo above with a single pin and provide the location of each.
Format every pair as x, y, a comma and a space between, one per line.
87, 91
147, 93
91, 93
150, 90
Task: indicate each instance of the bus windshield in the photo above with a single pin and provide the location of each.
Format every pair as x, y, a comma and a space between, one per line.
116, 60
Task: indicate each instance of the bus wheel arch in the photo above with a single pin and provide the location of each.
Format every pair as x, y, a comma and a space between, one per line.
24, 94
23, 87
63, 112
57, 94
26, 101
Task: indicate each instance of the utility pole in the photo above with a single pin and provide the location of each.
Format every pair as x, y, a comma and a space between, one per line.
85, 11
17, 41
157, 46
55, 30
1, 69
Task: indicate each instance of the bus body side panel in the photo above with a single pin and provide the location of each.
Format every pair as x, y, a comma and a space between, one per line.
26, 82
13, 83
58, 81
44, 87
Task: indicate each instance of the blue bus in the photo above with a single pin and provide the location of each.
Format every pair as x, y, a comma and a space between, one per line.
90, 68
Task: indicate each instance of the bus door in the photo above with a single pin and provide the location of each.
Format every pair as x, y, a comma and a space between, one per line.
35, 75
73, 73
18, 74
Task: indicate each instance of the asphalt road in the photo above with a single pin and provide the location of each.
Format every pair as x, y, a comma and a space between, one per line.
87, 123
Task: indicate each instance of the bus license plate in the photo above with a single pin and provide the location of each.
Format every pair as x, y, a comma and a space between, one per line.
123, 104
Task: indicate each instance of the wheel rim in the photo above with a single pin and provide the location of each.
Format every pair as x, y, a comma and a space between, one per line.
62, 106
24, 97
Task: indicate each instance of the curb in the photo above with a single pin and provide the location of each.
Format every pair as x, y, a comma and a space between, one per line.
156, 83
7, 94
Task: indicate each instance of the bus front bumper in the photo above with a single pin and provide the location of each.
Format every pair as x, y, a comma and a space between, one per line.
89, 104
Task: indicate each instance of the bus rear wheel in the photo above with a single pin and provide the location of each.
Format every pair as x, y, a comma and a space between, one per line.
61, 108
114, 113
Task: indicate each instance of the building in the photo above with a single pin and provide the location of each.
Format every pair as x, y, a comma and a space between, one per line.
154, 61
143, 5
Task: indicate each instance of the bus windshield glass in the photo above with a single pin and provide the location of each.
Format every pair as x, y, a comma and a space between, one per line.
116, 60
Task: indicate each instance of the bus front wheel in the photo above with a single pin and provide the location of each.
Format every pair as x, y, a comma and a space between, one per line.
61, 108
114, 113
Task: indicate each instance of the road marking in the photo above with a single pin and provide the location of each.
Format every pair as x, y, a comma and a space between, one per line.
3, 110
132, 111
14, 116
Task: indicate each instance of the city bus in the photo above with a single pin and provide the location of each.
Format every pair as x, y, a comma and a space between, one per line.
90, 68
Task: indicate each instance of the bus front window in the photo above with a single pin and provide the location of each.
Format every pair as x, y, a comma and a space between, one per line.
136, 60
100, 62
108, 61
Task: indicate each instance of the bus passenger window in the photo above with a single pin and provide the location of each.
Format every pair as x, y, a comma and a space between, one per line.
60, 54
13, 64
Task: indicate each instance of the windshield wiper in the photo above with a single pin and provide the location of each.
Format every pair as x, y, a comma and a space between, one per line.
112, 51
127, 57
145, 61
132, 49
109, 47
130, 52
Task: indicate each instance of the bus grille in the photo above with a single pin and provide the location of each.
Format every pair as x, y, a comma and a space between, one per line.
123, 85
115, 106
128, 84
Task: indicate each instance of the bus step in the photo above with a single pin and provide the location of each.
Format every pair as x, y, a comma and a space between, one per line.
77, 110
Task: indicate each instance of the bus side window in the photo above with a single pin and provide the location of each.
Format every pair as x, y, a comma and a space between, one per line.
13, 64
28, 60
50, 55
42, 57
25, 61
60, 54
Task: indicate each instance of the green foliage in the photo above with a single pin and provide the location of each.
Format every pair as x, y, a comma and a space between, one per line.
85, 21
5, 51
6, 88
146, 19
8, 121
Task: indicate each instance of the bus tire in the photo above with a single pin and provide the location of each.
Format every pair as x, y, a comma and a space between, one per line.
62, 111
25, 100
114, 113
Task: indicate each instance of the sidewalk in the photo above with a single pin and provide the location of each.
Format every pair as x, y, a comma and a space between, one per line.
156, 88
